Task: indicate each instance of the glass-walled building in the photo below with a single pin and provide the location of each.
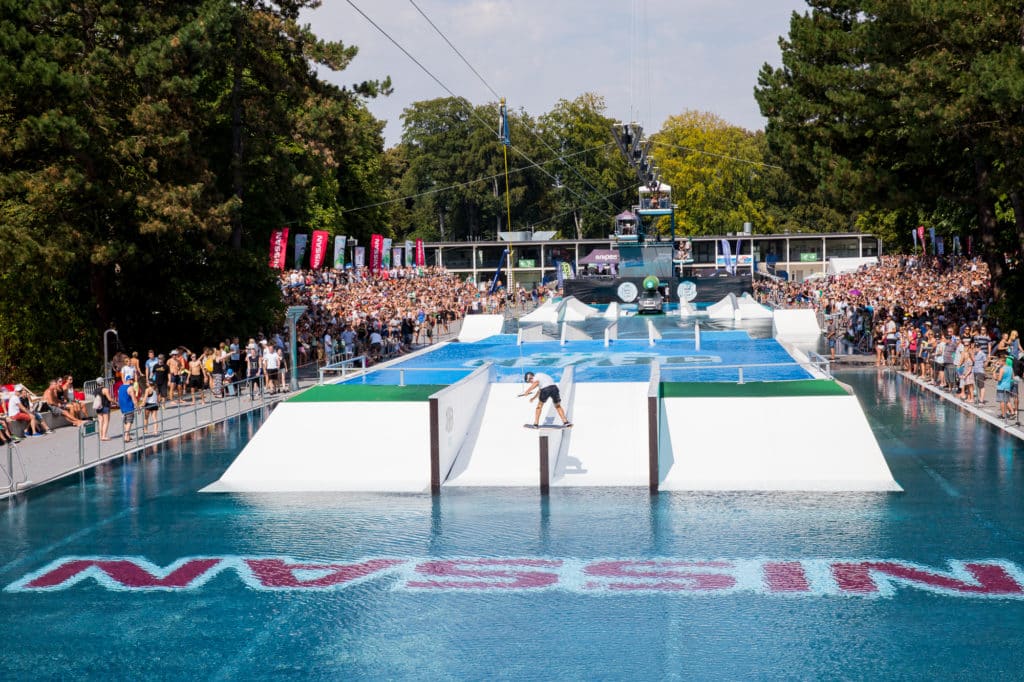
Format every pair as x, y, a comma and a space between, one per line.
796, 256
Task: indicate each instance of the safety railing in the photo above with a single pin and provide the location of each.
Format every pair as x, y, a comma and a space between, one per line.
401, 372
343, 366
817, 367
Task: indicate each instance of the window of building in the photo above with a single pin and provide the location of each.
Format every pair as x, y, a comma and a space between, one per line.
805, 250
458, 257
842, 247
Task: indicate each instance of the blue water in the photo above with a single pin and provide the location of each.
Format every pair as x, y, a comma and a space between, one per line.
964, 499
625, 360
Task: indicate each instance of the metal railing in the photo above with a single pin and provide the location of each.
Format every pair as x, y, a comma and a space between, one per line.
233, 395
342, 366
816, 366
402, 370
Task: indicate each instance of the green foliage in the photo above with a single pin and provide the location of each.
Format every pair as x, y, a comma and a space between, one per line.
147, 150
906, 106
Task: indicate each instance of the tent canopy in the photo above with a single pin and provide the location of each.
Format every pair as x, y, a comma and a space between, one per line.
600, 257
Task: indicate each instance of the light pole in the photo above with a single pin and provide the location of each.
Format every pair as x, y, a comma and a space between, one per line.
106, 355
294, 313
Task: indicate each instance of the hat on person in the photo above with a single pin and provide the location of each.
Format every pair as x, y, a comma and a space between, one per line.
174, 352
100, 381
19, 387
230, 373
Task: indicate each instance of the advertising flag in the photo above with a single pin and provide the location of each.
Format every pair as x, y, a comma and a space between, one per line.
386, 253
339, 252
376, 251
300, 249
408, 254
913, 233
920, 234
359, 256
956, 245
727, 252
421, 256
940, 245
931, 235
396, 256
319, 251
278, 248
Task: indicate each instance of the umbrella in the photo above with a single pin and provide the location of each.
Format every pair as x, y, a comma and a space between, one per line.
854, 292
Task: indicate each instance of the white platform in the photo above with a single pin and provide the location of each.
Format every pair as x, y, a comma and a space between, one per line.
476, 327
607, 445
334, 446
784, 443
799, 324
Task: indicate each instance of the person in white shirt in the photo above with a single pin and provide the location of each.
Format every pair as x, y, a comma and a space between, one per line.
271, 366
546, 389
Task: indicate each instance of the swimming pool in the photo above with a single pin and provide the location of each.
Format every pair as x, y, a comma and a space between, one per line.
281, 617
721, 352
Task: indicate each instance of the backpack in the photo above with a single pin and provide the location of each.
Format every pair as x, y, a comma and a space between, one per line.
97, 401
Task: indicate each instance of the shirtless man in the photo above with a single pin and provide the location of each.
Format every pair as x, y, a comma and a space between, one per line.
57, 401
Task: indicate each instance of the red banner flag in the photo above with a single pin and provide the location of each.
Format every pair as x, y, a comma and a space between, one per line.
319, 250
278, 246
376, 251
421, 256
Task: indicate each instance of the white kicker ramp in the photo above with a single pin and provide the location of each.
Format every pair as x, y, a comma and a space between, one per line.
328, 447
476, 327
779, 443
800, 324
607, 445
500, 451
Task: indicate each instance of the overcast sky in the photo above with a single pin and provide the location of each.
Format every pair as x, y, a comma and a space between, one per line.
702, 54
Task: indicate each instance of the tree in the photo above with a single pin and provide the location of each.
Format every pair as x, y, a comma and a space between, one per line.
900, 105
716, 171
141, 172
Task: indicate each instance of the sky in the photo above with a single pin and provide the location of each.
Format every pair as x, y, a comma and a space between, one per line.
649, 59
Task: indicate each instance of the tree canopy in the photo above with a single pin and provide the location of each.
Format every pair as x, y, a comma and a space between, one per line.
908, 106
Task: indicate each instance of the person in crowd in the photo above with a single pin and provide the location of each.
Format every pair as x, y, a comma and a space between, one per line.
18, 409
127, 399
151, 410
196, 380
1004, 383
102, 402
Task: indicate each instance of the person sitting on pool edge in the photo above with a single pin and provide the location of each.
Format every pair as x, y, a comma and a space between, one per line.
548, 390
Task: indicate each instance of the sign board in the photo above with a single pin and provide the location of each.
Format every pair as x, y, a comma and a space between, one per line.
687, 290
812, 257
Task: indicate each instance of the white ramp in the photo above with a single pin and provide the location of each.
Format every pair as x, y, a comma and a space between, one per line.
329, 446
751, 309
476, 327
795, 325
819, 443
500, 451
607, 445
725, 309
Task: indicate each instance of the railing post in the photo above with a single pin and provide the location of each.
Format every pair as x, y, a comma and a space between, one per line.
10, 465
401, 377
81, 446
741, 375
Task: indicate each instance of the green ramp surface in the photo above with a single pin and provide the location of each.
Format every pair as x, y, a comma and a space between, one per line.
366, 393
754, 389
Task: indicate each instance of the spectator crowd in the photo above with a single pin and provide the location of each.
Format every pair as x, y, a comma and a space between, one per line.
924, 315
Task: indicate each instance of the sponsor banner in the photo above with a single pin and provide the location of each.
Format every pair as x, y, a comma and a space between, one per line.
743, 259
386, 253
318, 253
787, 577
339, 252
278, 248
396, 256
409, 254
359, 256
300, 250
421, 256
376, 252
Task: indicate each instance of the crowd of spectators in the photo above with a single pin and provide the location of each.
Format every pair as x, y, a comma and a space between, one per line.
924, 315
348, 313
